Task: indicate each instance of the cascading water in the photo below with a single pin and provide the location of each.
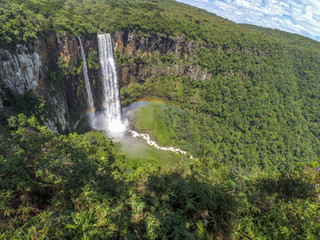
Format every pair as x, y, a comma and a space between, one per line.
87, 82
110, 118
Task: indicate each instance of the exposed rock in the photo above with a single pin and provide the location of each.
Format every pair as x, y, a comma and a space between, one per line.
196, 73
149, 46
1, 105
51, 125
129, 43
29, 70
35, 69
20, 72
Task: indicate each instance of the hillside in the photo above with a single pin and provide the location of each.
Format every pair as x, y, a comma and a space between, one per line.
243, 100
294, 40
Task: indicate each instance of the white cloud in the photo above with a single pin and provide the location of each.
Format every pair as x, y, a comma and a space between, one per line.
297, 16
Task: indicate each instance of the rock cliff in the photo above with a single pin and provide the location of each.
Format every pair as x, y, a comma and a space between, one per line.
146, 57
50, 68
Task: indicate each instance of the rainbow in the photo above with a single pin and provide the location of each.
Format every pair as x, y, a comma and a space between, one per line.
155, 100
90, 111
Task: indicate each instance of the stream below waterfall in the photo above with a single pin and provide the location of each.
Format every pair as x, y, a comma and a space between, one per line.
141, 144
113, 122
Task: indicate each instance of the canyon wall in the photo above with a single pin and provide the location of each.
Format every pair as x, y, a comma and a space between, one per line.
143, 50
50, 68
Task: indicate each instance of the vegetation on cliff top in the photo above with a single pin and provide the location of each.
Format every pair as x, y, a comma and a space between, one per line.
25, 20
253, 128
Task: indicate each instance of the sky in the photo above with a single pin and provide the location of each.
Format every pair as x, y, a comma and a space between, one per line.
296, 16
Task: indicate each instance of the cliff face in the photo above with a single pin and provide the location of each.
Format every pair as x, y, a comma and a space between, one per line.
51, 68
146, 50
1, 105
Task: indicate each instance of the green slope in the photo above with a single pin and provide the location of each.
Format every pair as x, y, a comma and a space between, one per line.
287, 38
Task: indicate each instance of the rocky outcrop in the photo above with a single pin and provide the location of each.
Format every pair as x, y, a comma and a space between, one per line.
1, 105
49, 68
130, 43
150, 47
20, 72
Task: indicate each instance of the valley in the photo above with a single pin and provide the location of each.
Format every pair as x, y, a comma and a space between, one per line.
152, 119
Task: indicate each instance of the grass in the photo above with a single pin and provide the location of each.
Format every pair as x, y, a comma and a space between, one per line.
146, 120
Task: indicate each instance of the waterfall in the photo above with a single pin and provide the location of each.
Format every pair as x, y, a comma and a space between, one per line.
87, 82
110, 118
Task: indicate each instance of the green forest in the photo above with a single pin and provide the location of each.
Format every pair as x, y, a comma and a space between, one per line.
253, 129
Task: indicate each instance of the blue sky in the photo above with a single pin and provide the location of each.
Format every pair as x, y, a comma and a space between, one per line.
296, 16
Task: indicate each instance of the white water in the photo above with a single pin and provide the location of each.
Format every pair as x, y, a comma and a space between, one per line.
86, 78
110, 118
150, 142
129, 113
